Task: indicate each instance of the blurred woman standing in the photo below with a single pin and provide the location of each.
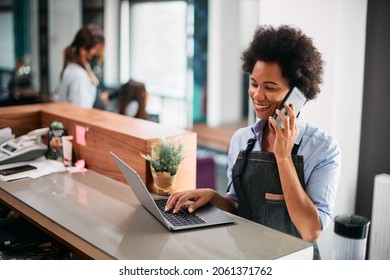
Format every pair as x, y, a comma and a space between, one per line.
78, 82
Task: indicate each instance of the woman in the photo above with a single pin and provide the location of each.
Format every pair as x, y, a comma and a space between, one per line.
133, 100
78, 84
285, 178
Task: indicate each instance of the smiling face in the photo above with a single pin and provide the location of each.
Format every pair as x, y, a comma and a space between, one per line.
267, 88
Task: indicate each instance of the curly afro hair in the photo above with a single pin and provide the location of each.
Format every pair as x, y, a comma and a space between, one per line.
300, 61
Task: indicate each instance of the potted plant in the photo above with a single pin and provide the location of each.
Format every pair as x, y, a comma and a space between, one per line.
164, 160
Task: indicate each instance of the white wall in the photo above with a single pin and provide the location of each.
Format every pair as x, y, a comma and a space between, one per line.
7, 43
111, 34
348, 87
64, 22
338, 30
224, 71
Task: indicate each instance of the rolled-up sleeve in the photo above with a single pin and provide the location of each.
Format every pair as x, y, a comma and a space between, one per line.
324, 177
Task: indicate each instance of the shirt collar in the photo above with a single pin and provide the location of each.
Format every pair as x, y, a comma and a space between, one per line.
302, 127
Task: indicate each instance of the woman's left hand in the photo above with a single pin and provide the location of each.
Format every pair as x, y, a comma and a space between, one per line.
285, 137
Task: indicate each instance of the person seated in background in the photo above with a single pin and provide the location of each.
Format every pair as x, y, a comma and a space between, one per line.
133, 98
78, 82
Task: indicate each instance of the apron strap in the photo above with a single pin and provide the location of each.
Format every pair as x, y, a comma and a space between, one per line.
249, 148
252, 141
250, 145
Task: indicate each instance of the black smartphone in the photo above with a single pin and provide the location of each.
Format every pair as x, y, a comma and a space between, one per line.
295, 97
17, 169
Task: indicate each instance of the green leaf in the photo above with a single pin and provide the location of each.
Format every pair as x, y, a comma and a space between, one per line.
165, 156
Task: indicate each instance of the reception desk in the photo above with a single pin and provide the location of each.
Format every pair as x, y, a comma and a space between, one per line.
97, 215
100, 218
103, 131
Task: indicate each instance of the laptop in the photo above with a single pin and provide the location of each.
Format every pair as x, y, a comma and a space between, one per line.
207, 215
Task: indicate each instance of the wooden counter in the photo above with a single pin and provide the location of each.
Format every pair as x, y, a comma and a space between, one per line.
100, 218
106, 131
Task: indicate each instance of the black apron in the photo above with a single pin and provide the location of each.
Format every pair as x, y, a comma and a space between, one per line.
259, 191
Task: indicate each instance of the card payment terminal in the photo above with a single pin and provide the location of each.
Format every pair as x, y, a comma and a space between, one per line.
24, 148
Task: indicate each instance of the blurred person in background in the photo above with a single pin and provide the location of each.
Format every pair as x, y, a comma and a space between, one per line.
133, 99
78, 82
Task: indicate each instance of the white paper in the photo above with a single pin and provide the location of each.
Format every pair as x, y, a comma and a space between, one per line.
44, 167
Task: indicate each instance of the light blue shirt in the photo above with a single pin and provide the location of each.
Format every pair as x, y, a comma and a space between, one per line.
76, 86
321, 157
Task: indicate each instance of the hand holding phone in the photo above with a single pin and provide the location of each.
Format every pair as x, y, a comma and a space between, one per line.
294, 97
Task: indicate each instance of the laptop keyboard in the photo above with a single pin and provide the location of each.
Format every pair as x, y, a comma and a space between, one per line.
181, 218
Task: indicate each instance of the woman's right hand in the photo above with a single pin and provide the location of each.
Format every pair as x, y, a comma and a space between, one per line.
199, 197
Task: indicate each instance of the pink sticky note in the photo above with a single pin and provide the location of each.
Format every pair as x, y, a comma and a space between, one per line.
80, 135
80, 163
79, 167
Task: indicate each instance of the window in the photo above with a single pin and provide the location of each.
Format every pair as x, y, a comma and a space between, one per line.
7, 46
159, 48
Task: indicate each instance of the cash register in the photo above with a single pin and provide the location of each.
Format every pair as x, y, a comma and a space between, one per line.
24, 148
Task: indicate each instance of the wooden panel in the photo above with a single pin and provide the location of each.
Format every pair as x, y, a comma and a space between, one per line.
21, 119
106, 131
